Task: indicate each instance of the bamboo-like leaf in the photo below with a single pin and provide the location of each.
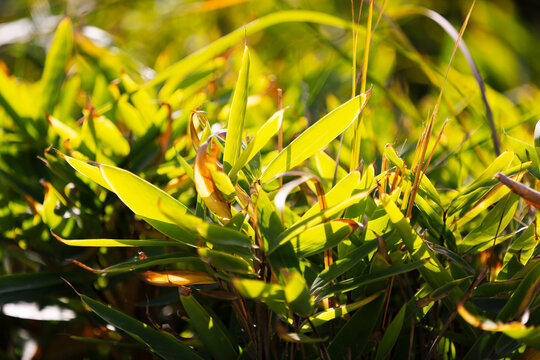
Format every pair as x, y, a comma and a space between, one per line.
270, 226
55, 65
342, 265
210, 329
354, 283
265, 133
333, 313
356, 332
107, 134
295, 337
131, 117
496, 220
64, 131
524, 294
339, 193
520, 250
272, 295
28, 281
434, 272
235, 126
323, 236
308, 223
220, 235
531, 196
526, 152
143, 263
391, 334
204, 183
177, 278
316, 137
89, 170
303, 177
297, 294
529, 335
225, 261
149, 201
326, 167
161, 343
116, 242
501, 163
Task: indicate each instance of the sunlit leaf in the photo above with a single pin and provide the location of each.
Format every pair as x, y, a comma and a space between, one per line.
334, 313
297, 294
265, 133
235, 126
225, 261
272, 295
177, 278
55, 65
324, 236
316, 137
206, 187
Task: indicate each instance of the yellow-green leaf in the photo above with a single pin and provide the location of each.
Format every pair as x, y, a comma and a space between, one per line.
316, 137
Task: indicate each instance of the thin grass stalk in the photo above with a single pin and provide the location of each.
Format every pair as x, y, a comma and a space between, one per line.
429, 128
357, 138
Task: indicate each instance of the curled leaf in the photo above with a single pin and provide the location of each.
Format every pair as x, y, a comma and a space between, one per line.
531, 196
303, 177
177, 278
205, 184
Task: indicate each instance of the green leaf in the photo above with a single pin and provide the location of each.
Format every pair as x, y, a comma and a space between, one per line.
297, 294
88, 170
270, 226
297, 229
498, 165
106, 134
272, 295
339, 193
391, 334
521, 249
150, 202
337, 312
342, 265
323, 236
235, 127
161, 343
225, 261
265, 133
55, 64
316, 137
526, 152
523, 295
221, 235
355, 334
356, 282
131, 117
434, 272
139, 264
495, 221
210, 329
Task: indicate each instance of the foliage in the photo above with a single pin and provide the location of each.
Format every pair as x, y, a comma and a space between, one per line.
211, 207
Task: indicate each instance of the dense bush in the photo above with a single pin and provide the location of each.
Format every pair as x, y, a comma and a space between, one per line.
233, 200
